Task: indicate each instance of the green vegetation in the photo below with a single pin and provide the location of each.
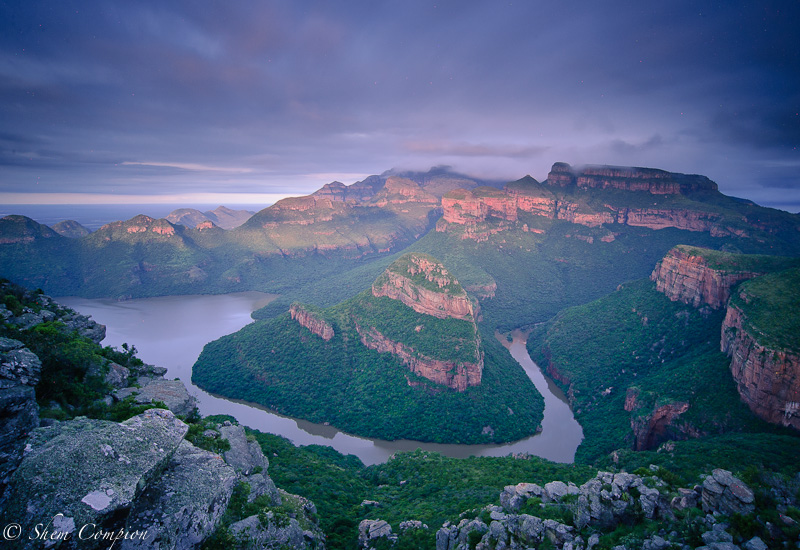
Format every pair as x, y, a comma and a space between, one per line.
72, 381
729, 261
445, 339
418, 485
281, 365
771, 305
635, 343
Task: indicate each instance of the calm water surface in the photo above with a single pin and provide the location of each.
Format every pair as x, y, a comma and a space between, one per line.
171, 331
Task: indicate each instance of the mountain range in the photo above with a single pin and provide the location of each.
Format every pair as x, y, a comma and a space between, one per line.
668, 313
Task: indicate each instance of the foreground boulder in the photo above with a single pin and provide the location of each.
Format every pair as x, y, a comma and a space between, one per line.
88, 472
184, 505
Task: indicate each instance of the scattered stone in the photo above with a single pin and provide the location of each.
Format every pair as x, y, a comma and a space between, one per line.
723, 492
755, 544
371, 529
412, 524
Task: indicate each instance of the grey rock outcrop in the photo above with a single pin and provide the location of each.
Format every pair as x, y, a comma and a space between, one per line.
248, 460
371, 529
723, 492
89, 471
172, 393
183, 507
20, 370
508, 531
297, 529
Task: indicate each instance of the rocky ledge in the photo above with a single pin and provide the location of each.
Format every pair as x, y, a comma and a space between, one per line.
524, 518
312, 321
455, 375
685, 275
423, 284
767, 377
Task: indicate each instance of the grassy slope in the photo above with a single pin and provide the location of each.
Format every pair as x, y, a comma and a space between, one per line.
771, 305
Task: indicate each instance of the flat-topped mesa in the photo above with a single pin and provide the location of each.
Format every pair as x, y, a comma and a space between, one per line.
700, 276
137, 224
657, 182
312, 321
424, 285
760, 334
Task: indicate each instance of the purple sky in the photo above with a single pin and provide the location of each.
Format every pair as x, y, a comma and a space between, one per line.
194, 101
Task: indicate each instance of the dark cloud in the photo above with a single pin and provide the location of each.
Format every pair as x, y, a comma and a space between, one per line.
253, 96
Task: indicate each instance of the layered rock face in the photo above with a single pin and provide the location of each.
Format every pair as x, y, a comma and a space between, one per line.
687, 277
456, 375
657, 182
443, 297
313, 322
423, 284
468, 208
400, 190
768, 379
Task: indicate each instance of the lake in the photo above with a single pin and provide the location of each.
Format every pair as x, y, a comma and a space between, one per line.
171, 331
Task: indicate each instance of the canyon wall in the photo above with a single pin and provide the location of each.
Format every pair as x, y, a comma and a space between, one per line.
456, 375
472, 207
687, 277
313, 322
768, 379
656, 182
448, 299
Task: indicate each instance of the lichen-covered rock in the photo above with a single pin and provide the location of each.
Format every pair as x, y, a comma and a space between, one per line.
292, 526
248, 460
725, 493
172, 393
89, 471
182, 507
20, 370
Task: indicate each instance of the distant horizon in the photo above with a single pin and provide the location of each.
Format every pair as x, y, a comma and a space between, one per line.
277, 98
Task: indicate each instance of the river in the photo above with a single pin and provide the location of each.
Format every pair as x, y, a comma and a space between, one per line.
171, 331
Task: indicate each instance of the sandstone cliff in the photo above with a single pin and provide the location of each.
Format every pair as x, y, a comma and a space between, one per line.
766, 369
424, 285
312, 321
657, 182
456, 375
564, 197
685, 275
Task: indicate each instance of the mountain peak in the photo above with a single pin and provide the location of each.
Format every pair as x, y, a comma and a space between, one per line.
422, 283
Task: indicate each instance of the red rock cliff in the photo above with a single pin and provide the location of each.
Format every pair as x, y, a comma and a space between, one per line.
456, 375
768, 380
687, 277
311, 321
449, 300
